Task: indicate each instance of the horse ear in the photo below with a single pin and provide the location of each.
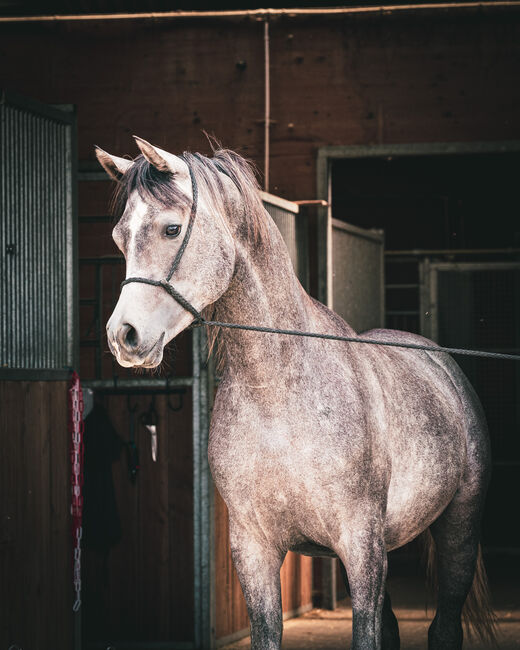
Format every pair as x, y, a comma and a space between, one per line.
161, 160
114, 166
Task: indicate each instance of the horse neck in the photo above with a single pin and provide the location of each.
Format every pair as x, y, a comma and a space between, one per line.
264, 291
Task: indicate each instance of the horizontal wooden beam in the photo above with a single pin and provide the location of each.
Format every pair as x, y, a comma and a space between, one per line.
320, 202
273, 199
264, 14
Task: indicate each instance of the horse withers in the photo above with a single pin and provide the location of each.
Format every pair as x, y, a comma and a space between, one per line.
317, 446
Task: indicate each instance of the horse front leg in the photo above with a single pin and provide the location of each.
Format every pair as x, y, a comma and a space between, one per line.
363, 552
258, 567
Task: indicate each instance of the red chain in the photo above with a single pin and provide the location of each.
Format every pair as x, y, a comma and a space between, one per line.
76, 428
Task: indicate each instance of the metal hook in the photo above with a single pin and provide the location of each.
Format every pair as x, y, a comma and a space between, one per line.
150, 417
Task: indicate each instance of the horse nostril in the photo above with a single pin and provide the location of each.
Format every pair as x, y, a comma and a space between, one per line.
128, 336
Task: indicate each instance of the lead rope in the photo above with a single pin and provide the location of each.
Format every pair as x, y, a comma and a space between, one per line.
76, 429
355, 339
200, 320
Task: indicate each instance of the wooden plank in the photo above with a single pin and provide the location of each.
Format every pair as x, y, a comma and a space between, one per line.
59, 590
11, 516
35, 557
334, 81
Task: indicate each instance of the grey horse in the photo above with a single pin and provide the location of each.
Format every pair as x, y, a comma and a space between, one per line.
319, 447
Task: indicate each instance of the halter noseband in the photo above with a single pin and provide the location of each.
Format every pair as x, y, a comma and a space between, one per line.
165, 284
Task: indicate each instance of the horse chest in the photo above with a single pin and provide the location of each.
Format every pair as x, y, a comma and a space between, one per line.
275, 474
257, 456
279, 452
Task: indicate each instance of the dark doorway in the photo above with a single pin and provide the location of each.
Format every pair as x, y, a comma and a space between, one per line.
432, 202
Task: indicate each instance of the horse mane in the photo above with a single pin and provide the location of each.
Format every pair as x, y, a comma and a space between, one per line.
160, 187
253, 226
251, 212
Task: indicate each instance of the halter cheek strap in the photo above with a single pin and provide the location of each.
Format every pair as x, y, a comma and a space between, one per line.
165, 284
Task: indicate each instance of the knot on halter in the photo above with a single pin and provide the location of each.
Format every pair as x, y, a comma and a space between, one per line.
165, 284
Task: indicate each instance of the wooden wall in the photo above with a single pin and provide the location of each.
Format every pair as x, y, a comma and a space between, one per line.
35, 526
142, 588
425, 77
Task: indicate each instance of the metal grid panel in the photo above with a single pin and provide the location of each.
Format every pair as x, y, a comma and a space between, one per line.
294, 232
478, 306
36, 236
357, 278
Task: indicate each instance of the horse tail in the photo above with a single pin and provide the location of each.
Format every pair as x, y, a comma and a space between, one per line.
477, 613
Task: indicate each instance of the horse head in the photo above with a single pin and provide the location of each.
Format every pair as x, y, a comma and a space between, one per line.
159, 193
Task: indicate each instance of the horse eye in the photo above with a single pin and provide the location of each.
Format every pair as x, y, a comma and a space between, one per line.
173, 231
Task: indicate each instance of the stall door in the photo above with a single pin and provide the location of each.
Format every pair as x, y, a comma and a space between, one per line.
37, 246
293, 226
37, 345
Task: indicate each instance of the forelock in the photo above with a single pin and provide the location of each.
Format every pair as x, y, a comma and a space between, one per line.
151, 185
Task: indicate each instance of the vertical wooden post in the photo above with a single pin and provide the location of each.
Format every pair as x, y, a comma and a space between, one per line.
324, 232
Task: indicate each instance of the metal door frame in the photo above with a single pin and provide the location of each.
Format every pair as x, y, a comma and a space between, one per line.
326, 156
429, 297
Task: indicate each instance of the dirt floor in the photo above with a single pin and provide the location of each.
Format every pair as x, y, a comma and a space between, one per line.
326, 630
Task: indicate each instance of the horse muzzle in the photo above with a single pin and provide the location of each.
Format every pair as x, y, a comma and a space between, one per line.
131, 349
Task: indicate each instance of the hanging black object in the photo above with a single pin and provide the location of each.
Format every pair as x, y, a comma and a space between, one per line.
103, 445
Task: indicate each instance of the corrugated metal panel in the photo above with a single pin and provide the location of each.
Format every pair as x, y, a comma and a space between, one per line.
36, 236
293, 228
358, 275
